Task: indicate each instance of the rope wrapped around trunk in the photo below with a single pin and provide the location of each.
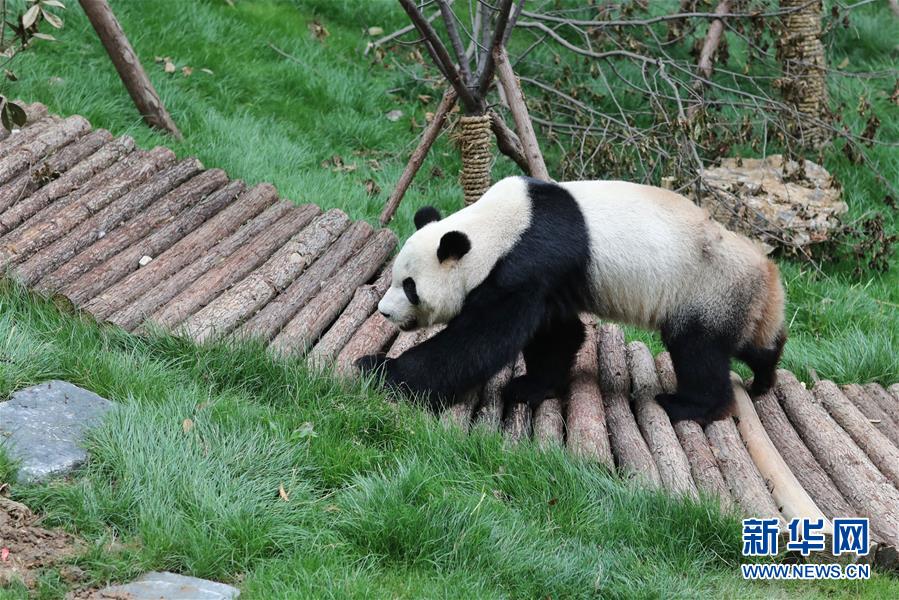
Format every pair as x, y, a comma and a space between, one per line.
474, 136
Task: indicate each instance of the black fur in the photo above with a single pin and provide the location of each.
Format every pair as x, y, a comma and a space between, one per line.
411, 291
530, 300
454, 245
701, 357
425, 215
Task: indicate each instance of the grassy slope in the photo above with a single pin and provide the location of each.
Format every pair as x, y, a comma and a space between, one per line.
381, 500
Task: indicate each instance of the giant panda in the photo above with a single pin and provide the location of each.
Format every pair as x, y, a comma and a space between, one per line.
511, 273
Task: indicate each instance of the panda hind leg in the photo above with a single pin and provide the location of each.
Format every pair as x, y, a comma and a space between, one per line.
702, 365
548, 358
763, 362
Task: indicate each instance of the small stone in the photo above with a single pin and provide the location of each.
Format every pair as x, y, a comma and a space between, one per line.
170, 586
395, 115
145, 260
43, 428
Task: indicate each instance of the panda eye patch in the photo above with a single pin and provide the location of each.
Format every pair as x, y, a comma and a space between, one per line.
409, 288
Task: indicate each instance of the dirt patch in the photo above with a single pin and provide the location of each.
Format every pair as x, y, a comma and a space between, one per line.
26, 548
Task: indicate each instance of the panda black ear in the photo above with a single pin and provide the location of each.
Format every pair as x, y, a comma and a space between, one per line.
425, 215
454, 245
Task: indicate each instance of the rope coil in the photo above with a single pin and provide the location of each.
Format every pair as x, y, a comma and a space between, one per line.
474, 136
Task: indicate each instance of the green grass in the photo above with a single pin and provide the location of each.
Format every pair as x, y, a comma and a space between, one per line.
382, 500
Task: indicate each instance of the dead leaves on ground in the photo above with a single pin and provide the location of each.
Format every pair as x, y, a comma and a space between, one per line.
168, 65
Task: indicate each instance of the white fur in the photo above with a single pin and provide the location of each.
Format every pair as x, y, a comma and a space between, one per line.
493, 224
653, 253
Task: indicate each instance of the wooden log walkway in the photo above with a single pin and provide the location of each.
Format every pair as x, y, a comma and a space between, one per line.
138, 239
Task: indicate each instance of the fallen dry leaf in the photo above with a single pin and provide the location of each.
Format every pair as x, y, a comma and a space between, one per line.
187, 71
394, 115
373, 31
283, 493
318, 30
207, 71
187, 425
372, 187
169, 66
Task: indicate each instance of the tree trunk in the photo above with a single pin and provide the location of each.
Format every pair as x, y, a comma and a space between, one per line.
804, 82
375, 334
128, 66
51, 140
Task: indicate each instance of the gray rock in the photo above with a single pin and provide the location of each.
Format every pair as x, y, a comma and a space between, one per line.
43, 428
170, 586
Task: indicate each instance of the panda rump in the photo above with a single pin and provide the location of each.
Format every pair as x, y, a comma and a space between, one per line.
512, 272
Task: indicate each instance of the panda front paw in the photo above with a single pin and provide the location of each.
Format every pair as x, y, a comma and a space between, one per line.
373, 363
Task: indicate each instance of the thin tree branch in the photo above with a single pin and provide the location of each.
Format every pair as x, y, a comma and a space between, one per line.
418, 155
449, 19
441, 57
499, 34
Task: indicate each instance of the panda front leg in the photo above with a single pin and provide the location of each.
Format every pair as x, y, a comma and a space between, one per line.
485, 336
702, 365
548, 358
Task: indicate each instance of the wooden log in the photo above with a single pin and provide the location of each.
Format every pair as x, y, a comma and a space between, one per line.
418, 155
311, 322
588, 434
23, 136
229, 310
872, 411
703, 464
866, 488
50, 169
519, 416
84, 177
490, 411
792, 499
231, 270
96, 225
519, 110
118, 266
746, 483
458, 414
266, 323
628, 447
57, 220
883, 399
33, 112
183, 252
813, 478
406, 340
128, 66
371, 338
153, 298
877, 446
549, 424
894, 391
130, 232
712, 40
674, 468
365, 301
49, 141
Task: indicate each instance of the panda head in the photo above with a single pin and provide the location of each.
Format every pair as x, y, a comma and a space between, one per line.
429, 282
